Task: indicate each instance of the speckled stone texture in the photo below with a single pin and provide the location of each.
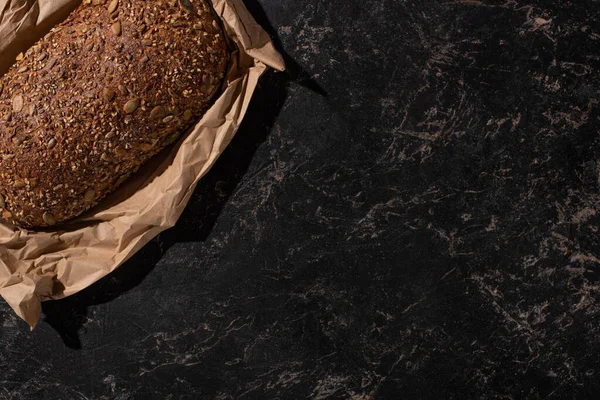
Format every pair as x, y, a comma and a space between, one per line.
409, 212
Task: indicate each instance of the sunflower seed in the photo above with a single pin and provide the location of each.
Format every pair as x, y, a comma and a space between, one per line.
51, 63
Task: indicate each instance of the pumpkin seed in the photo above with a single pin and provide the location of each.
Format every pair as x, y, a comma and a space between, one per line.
116, 28
172, 138
120, 151
17, 103
49, 218
112, 7
108, 94
186, 5
18, 140
146, 146
131, 106
89, 195
157, 112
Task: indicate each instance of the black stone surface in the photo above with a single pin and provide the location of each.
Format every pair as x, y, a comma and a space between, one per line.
410, 212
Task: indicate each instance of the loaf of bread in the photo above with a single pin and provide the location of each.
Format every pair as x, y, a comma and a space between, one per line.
98, 96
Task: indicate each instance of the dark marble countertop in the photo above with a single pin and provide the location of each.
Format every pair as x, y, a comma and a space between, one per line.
411, 211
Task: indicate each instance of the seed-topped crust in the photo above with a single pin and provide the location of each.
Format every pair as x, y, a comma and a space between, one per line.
102, 93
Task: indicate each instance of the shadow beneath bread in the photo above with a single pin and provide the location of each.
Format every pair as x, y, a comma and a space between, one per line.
69, 316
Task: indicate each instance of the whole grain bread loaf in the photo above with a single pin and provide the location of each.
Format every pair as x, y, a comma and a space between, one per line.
97, 97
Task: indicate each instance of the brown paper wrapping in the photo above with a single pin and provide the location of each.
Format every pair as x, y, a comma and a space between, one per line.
43, 265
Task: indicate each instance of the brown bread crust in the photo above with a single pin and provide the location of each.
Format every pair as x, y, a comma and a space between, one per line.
97, 97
